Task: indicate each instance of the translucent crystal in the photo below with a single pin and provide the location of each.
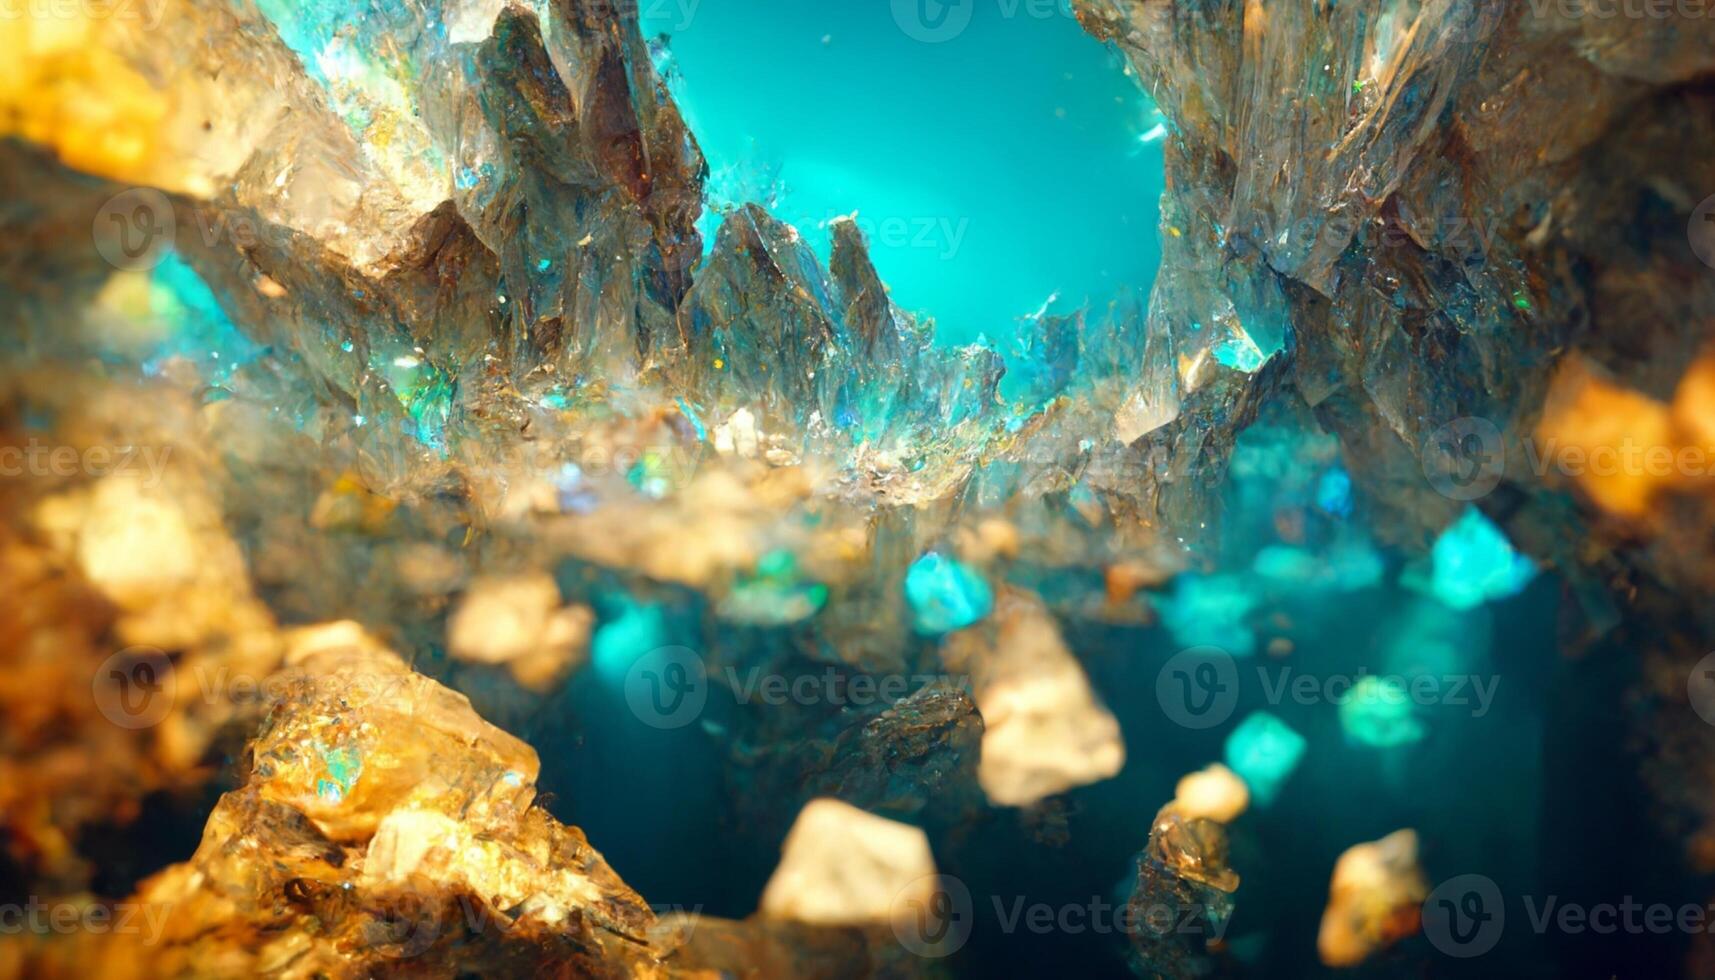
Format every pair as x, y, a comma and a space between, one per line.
1474, 563
1375, 899
1044, 729
946, 594
1379, 712
1264, 751
841, 865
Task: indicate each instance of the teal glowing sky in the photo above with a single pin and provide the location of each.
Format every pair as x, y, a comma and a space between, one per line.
990, 171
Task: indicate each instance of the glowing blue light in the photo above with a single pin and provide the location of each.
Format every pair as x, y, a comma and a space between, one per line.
625, 638
946, 595
1474, 563
1210, 610
198, 324
1378, 712
1334, 493
1264, 751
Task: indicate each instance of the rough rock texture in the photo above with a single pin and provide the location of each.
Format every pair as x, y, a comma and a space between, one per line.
385, 828
1182, 898
382, 820
914, 759
133, 646
1457, 215
1044, 731
414, 293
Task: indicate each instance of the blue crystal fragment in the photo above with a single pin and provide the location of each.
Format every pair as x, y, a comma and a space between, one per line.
946, 595
199, 330
1474, 563
1264, 751
343, 765
1210, 610
1334, 493
626, 637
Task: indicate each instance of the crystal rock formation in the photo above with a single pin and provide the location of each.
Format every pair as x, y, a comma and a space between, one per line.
518, 623
415, 295
1375, 899
913, 759
843, 866
1264, 751
1044, 730
384, 827
427, 317
1214, 793
1464, 278
134, 643
382, 820
1182, 898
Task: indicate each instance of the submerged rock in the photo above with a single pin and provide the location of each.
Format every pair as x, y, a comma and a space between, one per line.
1044, 730
1182, 899
1375, 900
415, 294
843, 866
383, 825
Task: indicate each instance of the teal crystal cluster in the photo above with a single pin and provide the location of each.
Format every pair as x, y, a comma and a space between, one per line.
469, 386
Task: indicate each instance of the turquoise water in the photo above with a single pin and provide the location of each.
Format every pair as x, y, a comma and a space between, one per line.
1013, 161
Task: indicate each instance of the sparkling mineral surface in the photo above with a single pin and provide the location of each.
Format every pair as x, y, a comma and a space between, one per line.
445, 530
